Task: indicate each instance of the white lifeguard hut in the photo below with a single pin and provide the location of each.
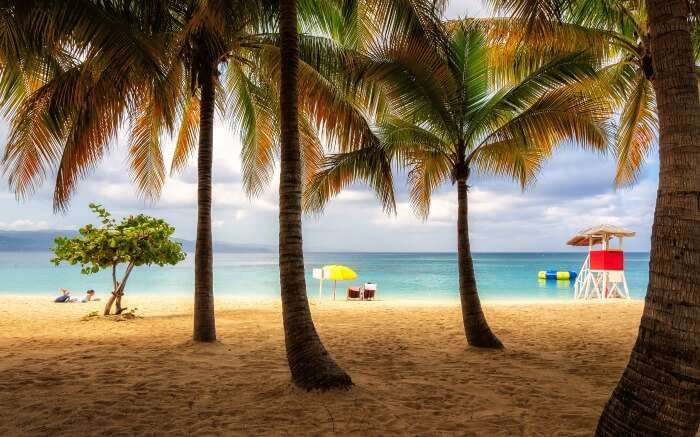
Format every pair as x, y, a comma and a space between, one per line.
602, 275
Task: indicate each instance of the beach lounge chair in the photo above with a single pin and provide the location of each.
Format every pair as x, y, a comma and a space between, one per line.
369, 291
354, 293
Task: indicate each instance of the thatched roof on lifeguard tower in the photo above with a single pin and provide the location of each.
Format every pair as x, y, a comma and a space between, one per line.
598, 233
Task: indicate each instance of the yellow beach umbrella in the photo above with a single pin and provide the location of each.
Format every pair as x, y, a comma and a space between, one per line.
338, 273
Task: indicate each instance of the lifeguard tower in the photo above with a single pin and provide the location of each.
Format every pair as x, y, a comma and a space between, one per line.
602, 275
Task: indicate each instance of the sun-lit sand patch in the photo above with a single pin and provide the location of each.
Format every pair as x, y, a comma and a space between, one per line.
414, 373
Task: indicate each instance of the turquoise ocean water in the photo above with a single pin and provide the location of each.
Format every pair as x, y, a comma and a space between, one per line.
398, 275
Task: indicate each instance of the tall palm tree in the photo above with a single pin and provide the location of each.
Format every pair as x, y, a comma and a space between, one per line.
334, 35
658, 391
447, 119
310, 364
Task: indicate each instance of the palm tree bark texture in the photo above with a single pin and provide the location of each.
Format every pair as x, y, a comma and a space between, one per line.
311, 366
659, 392
476, 328
204, 325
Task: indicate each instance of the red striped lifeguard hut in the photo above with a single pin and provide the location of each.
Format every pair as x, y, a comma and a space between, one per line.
602, 275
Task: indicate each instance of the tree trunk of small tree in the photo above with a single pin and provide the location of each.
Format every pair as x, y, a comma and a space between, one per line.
204, 326
110, 302
659, 392
113, 296
118, 292
310, 364
476, 328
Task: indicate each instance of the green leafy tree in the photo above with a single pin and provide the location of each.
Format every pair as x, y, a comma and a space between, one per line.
135, 241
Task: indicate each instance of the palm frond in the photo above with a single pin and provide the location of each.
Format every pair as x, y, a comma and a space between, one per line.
400, 139
34, 145
369, 164
638, 129
469, 62
417, 80
428, 170
253, 108
99, 112
145, 155
513, 158
514, 55
341, 113
559, 116
537, 15
566, 71
188, 134
312, 155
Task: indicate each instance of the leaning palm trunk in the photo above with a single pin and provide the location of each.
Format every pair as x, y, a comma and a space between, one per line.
659, 392
204, 327
476, 328
310, 364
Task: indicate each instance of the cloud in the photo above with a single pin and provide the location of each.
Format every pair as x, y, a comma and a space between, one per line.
25, 225
573, 191
466, 8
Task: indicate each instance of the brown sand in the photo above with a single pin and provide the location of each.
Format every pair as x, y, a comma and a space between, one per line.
414, 373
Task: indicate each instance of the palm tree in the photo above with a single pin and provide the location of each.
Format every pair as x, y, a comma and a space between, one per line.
447, 120
317, 61
155, 65
309, 362
658, 391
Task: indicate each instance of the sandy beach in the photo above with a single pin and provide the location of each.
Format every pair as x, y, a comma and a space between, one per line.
414, 374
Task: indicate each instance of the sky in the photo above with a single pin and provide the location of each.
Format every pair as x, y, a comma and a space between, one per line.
574, 191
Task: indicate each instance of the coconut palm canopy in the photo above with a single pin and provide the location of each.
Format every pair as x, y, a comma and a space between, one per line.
446, 114
67, 104
616, 33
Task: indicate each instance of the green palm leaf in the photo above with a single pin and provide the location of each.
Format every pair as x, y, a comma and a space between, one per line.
370, 165
637, 132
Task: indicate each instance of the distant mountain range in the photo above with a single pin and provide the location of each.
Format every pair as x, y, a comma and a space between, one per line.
40, 241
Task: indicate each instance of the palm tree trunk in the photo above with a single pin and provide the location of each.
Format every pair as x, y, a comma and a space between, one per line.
659, 392
204, 327
476, 328
310, 364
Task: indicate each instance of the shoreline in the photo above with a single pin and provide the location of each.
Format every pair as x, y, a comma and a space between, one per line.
391, 301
